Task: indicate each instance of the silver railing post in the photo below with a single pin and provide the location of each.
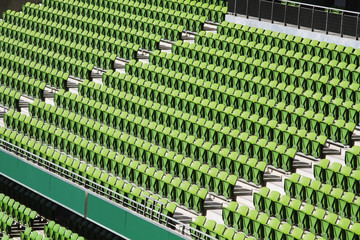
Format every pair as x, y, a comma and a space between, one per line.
298, 20
272, 11
286, 3
259, 12
235, 13
247, 8
342, 24
327, 22
312, 19
357, 27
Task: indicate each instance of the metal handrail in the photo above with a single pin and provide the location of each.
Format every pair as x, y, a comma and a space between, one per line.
299, 6
319, 6
153, 211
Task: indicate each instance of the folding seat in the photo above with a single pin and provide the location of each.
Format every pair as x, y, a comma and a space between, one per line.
322, 197
248, 221
258, 225
332, 172
304, 214
352, 232
282, 210
270, 228
353, 57
227, 213
333, 200
207, 226
351, 157
197, 224
266, 37
345, 204
320, 170
227, 234
269, 202
199, 200
224, 27
228, 184
290, 183
296, 233
258, 173
26, 234
340, 228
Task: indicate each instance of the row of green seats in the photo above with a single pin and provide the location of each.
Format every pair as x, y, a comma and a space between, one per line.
336, 107
284, 209
6, 223
337, 175
44, 207
241, 120
62, 139
217, 231
260, 225
67, 32
248, 168
318, 123
340, 89
255, 67
29, 234
352, 157
322, 195
276, 55
35, 70
106, 3
10, 98
166, 185
255, 64
55, 231
290, 42
222, 3
106, 16
290, 94
21, 83
111, 182
223, 114
308, 217
244, 143
16, 210
220, 182
220, 94
212, 12
188, 21
76, 68
122, 17
183, 192
81, 51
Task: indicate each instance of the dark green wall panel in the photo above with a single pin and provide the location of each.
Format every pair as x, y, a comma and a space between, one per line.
106, 213
8, 164
42, 182
67, 194
129, 224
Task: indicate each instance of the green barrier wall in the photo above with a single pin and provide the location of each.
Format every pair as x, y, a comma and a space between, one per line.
115, 218
43, 182
125, 222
